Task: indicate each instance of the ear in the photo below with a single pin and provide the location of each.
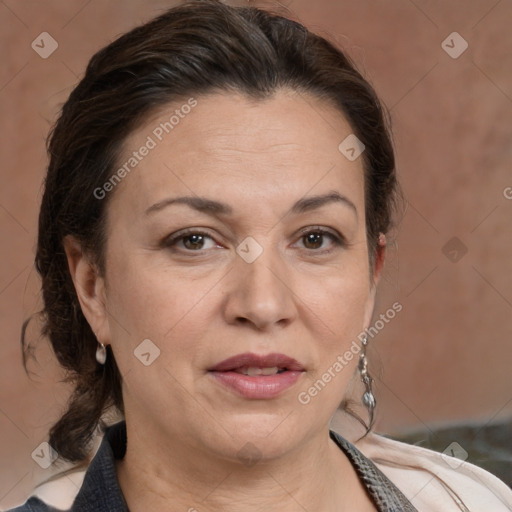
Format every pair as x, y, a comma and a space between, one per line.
90, 288
378, 265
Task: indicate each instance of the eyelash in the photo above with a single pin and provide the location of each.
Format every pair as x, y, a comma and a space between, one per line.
337, 239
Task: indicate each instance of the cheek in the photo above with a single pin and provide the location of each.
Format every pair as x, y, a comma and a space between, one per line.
337, 313
157, 302
338, 298
149, 302
341, 309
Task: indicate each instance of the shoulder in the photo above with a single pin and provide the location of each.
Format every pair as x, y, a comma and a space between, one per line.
58, 491
433, 481
32, 505
56, 494
90, 486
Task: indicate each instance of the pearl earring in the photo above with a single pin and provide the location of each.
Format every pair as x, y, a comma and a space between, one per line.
101, 353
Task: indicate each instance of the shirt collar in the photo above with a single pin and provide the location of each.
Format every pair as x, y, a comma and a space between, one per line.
100, 490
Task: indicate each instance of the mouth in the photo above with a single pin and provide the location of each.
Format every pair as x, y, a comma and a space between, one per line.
273, 363
252, 371
258, 377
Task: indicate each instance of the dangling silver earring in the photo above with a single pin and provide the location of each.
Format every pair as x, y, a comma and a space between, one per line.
101, 353
368, 396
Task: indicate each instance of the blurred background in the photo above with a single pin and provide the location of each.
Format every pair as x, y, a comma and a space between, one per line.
443, 364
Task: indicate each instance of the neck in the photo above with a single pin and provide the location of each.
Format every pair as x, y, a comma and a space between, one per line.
317, 476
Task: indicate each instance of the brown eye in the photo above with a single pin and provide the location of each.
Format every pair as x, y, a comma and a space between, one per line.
321, 241
193, 242
313, 240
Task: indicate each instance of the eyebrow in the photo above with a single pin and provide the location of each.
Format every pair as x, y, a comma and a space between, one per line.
217, 208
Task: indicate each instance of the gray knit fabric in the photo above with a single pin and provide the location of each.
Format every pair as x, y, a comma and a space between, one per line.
384, 493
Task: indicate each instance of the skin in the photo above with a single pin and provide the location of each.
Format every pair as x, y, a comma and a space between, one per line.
199, 307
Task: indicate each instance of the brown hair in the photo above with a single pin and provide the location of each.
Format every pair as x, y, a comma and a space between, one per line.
196, 48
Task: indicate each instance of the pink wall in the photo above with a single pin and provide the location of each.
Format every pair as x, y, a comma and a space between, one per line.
447, 355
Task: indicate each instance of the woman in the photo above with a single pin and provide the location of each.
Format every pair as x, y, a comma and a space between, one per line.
211, 237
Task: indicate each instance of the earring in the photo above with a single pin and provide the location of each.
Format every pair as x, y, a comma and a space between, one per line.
101, 353
368, 396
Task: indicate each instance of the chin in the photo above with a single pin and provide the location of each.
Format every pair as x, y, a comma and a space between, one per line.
260, 436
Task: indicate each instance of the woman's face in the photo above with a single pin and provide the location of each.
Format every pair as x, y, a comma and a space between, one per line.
266, 254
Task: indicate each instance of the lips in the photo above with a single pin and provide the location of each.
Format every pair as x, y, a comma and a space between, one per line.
249, 360
257, 377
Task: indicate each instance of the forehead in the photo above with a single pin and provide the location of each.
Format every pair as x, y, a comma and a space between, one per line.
231, 145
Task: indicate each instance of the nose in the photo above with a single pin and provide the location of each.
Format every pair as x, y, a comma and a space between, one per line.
260, 294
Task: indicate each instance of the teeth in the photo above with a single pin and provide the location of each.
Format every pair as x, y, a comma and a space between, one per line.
252, 371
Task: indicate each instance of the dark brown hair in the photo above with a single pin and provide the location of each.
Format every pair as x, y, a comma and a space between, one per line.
193, 49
